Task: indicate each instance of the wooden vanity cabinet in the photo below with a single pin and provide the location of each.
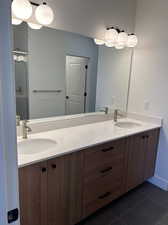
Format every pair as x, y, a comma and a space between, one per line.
75, 187
33, 194
57, 191
142, 151
151, 145
67, 189
51, 191
104, 174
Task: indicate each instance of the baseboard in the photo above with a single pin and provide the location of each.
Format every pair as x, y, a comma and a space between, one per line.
160, 182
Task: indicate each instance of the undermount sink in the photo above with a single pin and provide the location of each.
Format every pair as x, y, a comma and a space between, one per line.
127, 125
35, 146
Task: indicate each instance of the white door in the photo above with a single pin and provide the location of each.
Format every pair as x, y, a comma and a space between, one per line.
76, 74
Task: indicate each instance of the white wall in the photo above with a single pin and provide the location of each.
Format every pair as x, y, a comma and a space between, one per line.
113, 77
47, 59
90, 17
150, 73
8, 155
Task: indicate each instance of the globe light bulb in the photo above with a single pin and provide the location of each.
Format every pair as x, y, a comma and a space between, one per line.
119, 46
35, 26
122, 38
15, 57
109, 44
99, 42
22, 9
44, 14
16, 21
111, 35
132, 41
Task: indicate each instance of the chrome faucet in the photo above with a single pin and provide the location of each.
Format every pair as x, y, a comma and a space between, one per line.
105, 109
17, 120
25, 129
117, 113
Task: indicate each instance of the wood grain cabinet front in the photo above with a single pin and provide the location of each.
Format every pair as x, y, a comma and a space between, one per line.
51, 191
57, 191
104, 174
67, 189
142, 151
33, 194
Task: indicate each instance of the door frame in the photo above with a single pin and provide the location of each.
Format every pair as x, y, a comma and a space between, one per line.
8, 146
86, 78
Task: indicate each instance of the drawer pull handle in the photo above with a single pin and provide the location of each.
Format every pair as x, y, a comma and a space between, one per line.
145, 136
105, 195
108, 149
54, 166
43, 169
106, 170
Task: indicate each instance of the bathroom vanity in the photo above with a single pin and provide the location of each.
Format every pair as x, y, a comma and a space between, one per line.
76, 159
68, 184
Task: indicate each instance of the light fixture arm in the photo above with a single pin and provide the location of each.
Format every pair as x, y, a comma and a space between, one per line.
34, 3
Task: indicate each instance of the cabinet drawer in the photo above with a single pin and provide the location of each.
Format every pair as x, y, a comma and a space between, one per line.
98, 155
95, 189
114, 169
100, 193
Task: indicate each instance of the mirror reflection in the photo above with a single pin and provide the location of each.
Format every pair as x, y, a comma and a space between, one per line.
61, 73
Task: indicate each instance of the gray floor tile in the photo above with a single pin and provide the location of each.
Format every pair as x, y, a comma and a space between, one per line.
145, 205
104, 216
163, 220
127, 202
157, 195
146, 213
118, 222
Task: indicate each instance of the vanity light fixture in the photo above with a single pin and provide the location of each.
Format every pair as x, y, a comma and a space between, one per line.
44, 14
99, 42
111, 36
35, 26
16, 21
114, 37
22, 9
119, 46
122, 38
109, 44
132, 41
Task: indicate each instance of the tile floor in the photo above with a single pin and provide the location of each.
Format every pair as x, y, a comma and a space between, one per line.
146, 205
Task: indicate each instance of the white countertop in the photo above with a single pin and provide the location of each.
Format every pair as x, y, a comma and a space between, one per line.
73, 139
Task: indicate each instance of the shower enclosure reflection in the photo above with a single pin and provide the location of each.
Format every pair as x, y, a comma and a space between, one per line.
21, 83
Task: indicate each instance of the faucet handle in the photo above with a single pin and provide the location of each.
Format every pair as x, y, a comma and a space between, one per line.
120, 113
25, 121
17, 120
105, 109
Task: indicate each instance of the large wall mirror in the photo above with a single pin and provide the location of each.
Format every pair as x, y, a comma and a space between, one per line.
61, 73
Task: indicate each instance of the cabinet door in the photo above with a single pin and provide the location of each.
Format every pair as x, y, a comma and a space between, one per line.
57, 191
75, 187
142, 151
136, 157
151, 142
33, 190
